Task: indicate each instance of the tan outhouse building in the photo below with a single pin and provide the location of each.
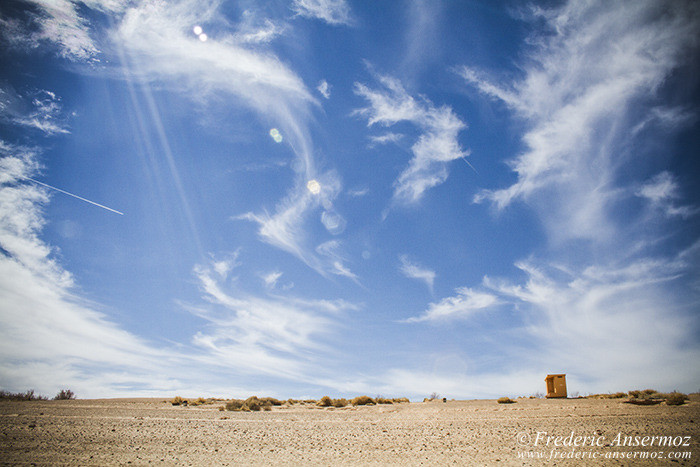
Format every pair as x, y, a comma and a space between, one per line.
556, 386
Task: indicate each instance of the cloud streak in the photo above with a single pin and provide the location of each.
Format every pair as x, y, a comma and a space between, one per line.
436, 146
577, 114
334, 12
415, 271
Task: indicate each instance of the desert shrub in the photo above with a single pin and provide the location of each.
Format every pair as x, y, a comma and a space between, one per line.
22, 396
644, 394
338, 403
363, 400
325, 401
177, 400
383, 400
506, 400
434, 396
617, 395
292, 401
235, 404
64, 395
676, 398
270, 401
400, 400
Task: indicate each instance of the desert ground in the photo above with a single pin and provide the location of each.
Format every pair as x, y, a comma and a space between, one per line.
476, 432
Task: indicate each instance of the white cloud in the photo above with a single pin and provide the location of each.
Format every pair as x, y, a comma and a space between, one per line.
436, 146
44, 112
662, 191
60, 23
324, 88
280, 336
332, 251
415, 271
386, 138
335, 12
578, 97
463, 305
270, 279
252, 34
41, 318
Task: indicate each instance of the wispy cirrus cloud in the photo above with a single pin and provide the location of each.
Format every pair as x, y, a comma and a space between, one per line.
324, 88
416, 271
40, 110
60, 23
281, 336
662, 192
462, 305
579, 117
335, 12
50, 336
436, 146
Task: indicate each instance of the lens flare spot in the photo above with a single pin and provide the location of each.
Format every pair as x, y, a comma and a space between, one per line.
313, 186
276, 135
203, 37
197, 30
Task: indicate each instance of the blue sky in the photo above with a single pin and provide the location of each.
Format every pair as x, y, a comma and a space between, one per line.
308, 197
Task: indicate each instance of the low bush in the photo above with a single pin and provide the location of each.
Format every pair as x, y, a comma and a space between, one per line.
253, 404
338, 403
676, 398
325, 401
64, 395
505, 400
363, 400
269, 401
400, 400
383, 400
235, 404
177, 400
22, 396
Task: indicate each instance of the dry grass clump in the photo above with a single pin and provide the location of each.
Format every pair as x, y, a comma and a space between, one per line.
505, 400
676, 398
177, 400
325, 401
643, 394
383, 400
617, 395
22, 396
652, 396
362, 400
253, 404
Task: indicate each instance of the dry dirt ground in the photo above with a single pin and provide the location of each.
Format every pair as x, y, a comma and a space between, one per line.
479, 432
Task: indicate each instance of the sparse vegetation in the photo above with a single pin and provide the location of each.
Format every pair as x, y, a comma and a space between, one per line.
64, 395
363, 400
506, 400
177, 400
339, 403
253, 404
645, 397
22, 396
617, 395
676, 398
325, 401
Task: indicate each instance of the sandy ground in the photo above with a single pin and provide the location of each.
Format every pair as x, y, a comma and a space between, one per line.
152, 431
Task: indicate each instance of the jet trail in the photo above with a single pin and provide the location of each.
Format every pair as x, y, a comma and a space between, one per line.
75, 196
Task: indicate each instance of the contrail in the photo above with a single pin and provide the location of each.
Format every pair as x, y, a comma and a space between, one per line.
74, 196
